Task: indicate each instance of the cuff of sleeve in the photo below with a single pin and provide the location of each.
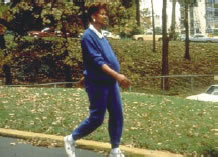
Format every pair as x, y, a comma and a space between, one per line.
100, 63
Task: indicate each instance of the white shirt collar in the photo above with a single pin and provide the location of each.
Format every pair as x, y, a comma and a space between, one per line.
99, 34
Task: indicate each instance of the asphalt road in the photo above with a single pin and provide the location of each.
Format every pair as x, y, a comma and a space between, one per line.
10, 147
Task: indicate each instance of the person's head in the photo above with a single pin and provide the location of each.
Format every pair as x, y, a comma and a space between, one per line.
98, 14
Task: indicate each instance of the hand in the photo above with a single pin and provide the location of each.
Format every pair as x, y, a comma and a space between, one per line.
123, 81
81, 83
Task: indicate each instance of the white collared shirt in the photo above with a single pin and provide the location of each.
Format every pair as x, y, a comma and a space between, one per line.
99, 34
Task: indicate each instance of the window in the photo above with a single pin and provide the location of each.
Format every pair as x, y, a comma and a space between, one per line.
215, 93
216, 12
210, 90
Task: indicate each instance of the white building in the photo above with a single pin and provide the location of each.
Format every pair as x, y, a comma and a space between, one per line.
158, 6
5, 1
211, 16
197, 18
203, 18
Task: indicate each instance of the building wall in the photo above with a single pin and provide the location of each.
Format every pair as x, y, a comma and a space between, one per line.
212, 16
199, 18
203, 18
158, 12
5, 1
41, 1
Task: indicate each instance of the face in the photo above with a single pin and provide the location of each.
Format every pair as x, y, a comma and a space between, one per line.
101, 18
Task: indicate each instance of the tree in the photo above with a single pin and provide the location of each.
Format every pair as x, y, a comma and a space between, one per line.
138, 12
52, 58
6, 68
153, 25
186, 23
122, 20
2, 39
21, 17
25, 16
187, 4
165, 71
172, 34
83, 16
127, 3
3, 22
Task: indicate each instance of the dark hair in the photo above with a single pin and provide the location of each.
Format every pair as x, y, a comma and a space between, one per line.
95, 7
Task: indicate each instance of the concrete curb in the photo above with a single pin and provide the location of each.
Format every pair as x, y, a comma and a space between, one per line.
93, 145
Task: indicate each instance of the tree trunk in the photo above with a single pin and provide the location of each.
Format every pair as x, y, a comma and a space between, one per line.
3, 23
2, 41
68, 75
84, 17
164, 81
153, 25
7, 70
127, 3
138, 12
192, 19
187, 55
14, 3
173, 22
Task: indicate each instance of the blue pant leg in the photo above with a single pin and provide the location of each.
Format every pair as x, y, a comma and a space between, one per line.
115, 126
98, 98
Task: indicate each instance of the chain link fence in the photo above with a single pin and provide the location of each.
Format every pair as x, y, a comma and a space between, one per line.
190, 81
177, 83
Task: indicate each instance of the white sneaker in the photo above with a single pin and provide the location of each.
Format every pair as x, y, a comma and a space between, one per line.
69, 146
116, 152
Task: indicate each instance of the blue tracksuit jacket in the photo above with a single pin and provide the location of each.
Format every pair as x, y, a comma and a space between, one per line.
97, 52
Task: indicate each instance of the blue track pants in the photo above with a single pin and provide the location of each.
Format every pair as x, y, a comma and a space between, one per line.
102, 97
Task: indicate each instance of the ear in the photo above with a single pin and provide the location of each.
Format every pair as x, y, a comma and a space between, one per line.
93, 16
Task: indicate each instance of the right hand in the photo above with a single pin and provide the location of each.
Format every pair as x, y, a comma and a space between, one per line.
123, 81
81, 83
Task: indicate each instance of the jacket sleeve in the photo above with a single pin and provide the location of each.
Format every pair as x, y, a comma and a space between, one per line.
92, 53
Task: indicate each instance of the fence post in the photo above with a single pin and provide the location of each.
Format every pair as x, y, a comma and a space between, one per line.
130, 88
192, 83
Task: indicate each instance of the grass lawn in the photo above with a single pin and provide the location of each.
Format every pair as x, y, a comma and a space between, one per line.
151, 121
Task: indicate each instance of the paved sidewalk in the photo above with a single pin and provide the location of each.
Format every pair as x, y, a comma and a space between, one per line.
11, 147
86, 144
